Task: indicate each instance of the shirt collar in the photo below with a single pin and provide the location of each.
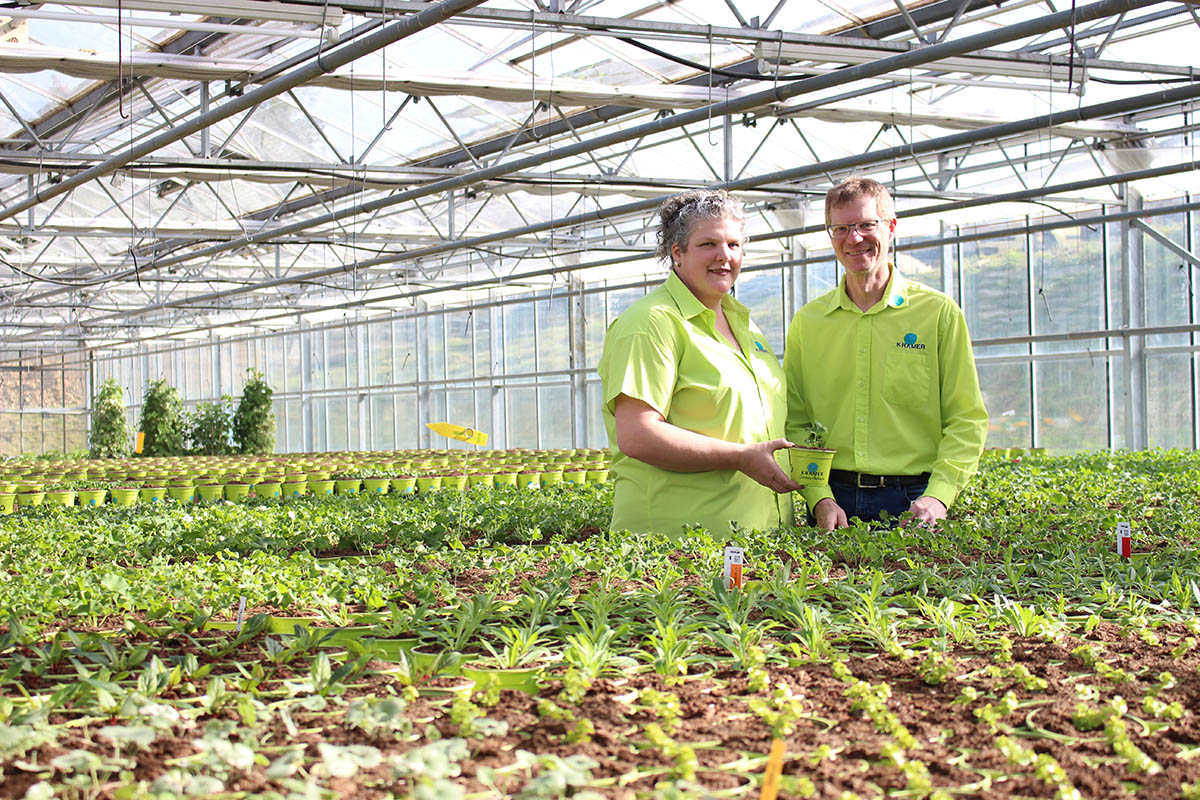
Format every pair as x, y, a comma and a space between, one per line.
690, 307
894, 296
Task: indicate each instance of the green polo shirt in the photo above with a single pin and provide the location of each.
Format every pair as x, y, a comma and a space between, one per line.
665, 351
896, 385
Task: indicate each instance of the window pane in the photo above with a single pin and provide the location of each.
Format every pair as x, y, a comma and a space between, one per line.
521, 408
1072, 404
405, 350
436, 366
554, 406
460, 358
1006, 394
337, 439
762, 293
335, 359
406, 416
1068, 270
554, 334
1169, 400
923, 266
384, 419
518, 341
996, 289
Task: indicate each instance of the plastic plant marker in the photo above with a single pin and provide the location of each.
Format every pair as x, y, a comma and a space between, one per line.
1124, 540
459, 432
770, 787
141, 442
241, 612
735, 557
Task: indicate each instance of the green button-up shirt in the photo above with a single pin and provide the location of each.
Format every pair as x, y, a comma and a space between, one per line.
896, 386
665, 351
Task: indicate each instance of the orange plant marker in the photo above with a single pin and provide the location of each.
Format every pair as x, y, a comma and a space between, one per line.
774, 768
141, 442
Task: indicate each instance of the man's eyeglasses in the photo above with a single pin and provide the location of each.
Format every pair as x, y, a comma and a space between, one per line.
864, 228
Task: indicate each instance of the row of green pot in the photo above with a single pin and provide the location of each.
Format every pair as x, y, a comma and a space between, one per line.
187, 493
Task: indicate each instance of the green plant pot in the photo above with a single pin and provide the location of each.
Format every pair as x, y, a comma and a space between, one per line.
30, 499
482, 481
576, 477
810, 466
320, 486
552, 477
8, 502
404, 485
124, 496
521, 679
237, 491
182, 494
376, 485
92, 497
211, 492
597, 476
455, 483
348, 485
428, 483
268, 489
529, 480
153, 494
295, 488
66, 497
504, 479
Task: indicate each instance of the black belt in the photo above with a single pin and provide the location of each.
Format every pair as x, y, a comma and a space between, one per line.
865, 481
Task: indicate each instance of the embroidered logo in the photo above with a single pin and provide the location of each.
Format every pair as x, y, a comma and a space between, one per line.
898, 300
910, 342
759, 347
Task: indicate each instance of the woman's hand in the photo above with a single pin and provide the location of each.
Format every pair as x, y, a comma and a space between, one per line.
643, 433
758, 462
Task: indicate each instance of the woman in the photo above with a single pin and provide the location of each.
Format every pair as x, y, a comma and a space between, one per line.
694, 399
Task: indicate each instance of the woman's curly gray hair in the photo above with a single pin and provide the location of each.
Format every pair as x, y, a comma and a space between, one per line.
679, 214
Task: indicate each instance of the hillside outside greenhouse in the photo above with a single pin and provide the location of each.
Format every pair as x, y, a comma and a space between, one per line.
600, 399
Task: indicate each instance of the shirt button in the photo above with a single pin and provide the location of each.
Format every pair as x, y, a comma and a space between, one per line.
862, 452
862, 419
862, 349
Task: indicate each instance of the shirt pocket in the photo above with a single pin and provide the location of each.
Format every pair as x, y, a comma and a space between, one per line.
906, 377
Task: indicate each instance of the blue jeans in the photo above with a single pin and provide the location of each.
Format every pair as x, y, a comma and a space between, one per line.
867, 503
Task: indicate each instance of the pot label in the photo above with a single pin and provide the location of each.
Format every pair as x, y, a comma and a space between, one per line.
734, 559
1124, 540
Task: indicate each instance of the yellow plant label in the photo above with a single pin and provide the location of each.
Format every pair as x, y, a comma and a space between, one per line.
770, 786
460, 432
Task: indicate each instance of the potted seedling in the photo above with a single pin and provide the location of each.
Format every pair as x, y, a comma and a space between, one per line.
810, 459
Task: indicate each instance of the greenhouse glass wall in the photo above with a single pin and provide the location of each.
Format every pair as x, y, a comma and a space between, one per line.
1054, 308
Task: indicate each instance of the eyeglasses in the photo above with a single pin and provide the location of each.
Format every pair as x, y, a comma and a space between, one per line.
864, 228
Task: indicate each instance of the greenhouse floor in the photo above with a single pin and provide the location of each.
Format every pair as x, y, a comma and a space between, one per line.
498, 642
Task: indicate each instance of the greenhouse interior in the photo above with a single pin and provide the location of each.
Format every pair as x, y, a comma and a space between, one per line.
307, 454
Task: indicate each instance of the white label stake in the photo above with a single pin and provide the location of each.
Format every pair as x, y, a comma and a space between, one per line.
1124, 540
735, 557
241, 613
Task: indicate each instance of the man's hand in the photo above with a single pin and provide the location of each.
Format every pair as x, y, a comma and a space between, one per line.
927, 511
830, 515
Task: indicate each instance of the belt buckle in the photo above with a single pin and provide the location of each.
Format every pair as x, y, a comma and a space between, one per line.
870, 482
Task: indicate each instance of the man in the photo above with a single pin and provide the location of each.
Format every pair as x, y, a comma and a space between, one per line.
886, 364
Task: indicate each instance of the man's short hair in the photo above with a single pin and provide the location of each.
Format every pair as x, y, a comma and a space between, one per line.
855, 187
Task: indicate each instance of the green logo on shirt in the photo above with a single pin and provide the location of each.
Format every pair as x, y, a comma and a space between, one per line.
910, 342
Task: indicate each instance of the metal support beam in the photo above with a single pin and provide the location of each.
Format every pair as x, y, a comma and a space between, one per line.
1166, 242
1133, 312
777, 94
327, 63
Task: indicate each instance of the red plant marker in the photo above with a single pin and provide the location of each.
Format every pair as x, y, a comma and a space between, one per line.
1124, 540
